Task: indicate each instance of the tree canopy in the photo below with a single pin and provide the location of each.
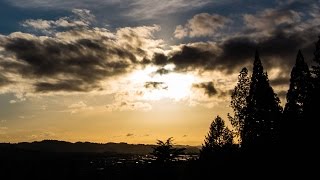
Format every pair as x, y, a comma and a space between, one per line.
165, 152
218, 138
239, 102
263, 111
296, 100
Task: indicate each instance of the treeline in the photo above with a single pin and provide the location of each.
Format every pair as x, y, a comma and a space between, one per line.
55, 146
259, 122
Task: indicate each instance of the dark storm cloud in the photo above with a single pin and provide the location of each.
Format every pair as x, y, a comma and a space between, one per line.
190, 57
160, 59
208, 87
155, 85
281, 46
277, 33
83, 62
65, 85
277, 50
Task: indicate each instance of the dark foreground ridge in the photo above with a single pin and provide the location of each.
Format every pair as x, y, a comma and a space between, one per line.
56, 146
52, 159
64, 160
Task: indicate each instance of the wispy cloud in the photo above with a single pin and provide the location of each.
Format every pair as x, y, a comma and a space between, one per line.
139, 9
201, 25
81, 18
129, 106
79, 107
3, 130
153, 9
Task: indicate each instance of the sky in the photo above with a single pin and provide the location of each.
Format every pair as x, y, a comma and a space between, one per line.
139, 70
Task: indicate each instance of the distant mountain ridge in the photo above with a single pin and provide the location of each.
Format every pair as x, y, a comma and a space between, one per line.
89, 147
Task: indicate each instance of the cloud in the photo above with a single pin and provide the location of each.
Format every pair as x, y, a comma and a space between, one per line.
194, 55
138, 9
280, 35
97, 60
201, 25
38, 24
269, 19
66, 86
208, 87
4, 80
81, 18
155, 85
3, 121
12, 101
279, 81
162, 71
153, 9
140, 40
129, 106
282, 94
61, 4
129, 135
159, 59
3, 130
42, 135
181, 32
79, 106
75, 66
75, 60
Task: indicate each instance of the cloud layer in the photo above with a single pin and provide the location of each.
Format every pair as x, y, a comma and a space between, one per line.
139, 9
71, 55
75, 59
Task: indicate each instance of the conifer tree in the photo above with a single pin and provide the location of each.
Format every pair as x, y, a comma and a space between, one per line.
293, 114
219, 138
312, 106
263, 112
239, 103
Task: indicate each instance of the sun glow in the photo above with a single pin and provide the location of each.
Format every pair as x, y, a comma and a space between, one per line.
171, 85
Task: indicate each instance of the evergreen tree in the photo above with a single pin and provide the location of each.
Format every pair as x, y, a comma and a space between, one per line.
296, 100
312, 107
219, 138
263, 112
165, 152
239, 103
316, 59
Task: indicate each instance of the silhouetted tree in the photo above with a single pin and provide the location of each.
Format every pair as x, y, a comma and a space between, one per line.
263, 112
218, 139
165, 152
312, 107
239, 103
293, 114
316, 59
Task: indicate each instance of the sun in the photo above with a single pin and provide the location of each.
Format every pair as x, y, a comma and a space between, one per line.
172, 85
